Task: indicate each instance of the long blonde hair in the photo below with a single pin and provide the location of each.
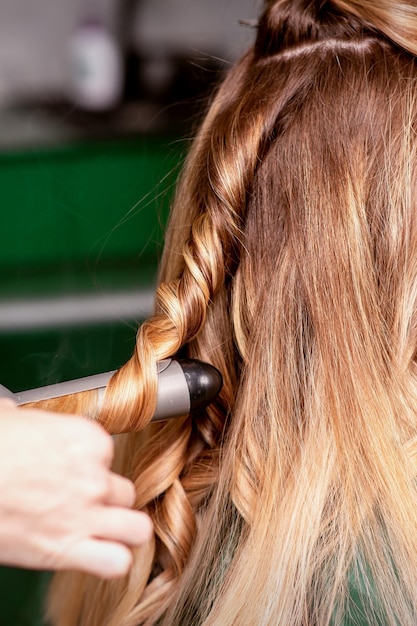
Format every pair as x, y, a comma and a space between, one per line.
290, 263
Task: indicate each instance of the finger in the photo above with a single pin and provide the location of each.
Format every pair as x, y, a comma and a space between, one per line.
105, 559
116, 524
121, 491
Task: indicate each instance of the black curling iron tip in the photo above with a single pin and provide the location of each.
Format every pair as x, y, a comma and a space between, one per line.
204, 382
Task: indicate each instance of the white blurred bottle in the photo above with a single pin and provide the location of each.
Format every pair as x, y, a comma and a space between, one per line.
96, 72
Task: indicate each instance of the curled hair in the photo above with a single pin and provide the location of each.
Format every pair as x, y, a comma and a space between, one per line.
290, 263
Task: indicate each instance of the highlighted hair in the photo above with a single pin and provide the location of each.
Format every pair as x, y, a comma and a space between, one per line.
290, 263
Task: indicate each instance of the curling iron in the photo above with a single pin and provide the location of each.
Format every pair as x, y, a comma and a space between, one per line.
184, 386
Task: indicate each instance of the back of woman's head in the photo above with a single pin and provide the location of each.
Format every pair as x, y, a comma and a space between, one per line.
291, 264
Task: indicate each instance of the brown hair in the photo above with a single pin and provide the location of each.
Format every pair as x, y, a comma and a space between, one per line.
290, 263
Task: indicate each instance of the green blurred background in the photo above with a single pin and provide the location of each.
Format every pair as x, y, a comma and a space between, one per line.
83, 220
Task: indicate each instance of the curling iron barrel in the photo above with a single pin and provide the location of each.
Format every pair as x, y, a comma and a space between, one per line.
184, 385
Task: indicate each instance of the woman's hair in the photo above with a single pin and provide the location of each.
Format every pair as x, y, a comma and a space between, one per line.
290, 264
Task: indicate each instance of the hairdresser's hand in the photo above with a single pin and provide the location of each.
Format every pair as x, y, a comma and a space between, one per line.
60, 505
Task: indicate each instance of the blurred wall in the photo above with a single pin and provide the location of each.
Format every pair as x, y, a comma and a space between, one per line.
34, 34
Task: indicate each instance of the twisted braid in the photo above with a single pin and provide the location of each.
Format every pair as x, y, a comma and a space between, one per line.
210, 257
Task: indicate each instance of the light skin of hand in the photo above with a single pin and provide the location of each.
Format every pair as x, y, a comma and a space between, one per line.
61, 506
